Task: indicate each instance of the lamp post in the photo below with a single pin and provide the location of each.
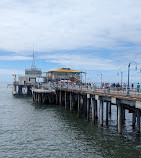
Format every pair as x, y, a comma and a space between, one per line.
128, 87
85, 77
121, 73
101, 78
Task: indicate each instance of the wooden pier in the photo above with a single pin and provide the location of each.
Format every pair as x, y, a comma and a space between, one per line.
86, 102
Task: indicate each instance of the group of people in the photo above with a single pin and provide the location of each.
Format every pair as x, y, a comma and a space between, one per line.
115, 86
92, 85
118, 86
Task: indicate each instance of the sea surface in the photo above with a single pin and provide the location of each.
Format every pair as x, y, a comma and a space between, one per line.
29, 130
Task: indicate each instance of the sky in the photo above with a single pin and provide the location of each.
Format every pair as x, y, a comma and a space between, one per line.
96, 36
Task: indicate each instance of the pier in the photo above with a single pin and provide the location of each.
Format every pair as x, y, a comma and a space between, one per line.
88, 101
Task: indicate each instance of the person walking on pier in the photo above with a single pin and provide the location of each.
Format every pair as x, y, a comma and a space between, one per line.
132, 86
124, 86
138, 87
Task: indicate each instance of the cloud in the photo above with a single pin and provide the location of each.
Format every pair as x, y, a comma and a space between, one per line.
68, 25
105, 35
11, 71
80, 61
14, 58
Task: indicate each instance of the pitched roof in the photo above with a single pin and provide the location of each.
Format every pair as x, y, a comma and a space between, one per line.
64, 70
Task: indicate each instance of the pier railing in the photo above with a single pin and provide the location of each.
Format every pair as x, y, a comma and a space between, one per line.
121, 91
133, 92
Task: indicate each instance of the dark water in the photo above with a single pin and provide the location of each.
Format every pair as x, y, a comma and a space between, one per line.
31, 131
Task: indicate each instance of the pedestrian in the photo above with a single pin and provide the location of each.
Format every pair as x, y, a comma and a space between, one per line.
138, 87
132, 86
124, 86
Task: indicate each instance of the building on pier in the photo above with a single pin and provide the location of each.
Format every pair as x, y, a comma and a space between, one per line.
26, 82
64, 74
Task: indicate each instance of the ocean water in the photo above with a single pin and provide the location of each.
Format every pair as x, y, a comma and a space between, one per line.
29, 130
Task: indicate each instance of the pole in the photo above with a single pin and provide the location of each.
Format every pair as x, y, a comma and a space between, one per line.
81, 80
129, 74
85, 78
121, 77
101, 79
128, 79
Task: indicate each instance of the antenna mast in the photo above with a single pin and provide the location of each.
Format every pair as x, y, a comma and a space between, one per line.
33, 61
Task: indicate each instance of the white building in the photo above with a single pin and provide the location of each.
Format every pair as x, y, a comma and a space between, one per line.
30, 76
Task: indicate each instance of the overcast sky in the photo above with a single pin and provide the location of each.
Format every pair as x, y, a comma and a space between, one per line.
96, 36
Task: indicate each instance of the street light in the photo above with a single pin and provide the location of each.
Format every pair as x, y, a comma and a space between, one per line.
129, 75
101, 78
121, 73
85, 76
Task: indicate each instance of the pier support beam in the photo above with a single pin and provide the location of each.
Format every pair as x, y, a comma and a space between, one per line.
19, 90
101, 113
119, 118
79, 105
85, 104
34, 95
65, 99
138, 122
107, 109
109, 104
88, 107
94, 110
60, 98
71, 102
56, 97
123, 115
39, 98
133, 120
43, 98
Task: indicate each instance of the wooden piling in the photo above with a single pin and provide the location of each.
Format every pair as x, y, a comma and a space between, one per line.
107, 109
123, 115
133, 120
60, 98
71, 102
110, 109
56, 97
96, 110
65, 99
138, 122
88, 107
101, 113
93, 103
78, 102
119, 119
33, 94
